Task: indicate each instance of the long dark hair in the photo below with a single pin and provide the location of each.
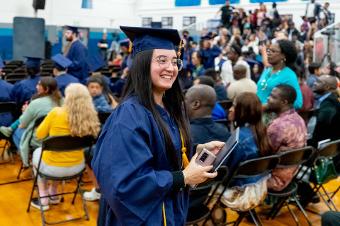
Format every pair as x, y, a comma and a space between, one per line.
50, 84
139, 83
248, 110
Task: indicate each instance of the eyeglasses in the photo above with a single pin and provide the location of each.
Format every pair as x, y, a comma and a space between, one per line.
269, 50
164, 62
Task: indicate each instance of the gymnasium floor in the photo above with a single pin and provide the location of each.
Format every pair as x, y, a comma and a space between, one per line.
14, 200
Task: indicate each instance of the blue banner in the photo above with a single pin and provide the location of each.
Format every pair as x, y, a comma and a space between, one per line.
219, 2
187, 2
86, 4
258, 1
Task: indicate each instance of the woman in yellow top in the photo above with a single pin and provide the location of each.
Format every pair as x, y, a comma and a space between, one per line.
77, 117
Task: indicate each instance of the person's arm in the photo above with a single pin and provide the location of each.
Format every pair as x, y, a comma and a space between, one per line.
43, 129
29, 114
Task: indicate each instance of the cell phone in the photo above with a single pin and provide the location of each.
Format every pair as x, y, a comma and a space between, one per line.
205, 158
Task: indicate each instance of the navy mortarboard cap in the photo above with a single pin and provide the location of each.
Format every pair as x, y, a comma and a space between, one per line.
1, 63
125, 42
151, 38
72, 28
61, 61
95, 62
33, 62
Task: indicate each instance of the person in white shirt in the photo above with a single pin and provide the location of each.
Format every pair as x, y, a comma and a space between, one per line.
234, 58
241, 84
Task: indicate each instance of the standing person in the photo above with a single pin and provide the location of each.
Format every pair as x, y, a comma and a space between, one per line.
138, 160
312, 11
24, 89
281, 57
63, 78
226, 12
77, 53
103, 46
234, 57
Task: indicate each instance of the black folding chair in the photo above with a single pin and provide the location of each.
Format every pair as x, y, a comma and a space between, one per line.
198, 197
327, 151
6, 107
103, 116
62, 144
289, 159
37, 122
247, 169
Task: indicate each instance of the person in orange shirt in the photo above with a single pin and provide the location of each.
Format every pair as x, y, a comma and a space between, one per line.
77, 117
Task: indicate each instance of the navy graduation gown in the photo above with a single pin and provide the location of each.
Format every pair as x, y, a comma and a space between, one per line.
134, 174
64, 80
24, 90
5, 91
78, 55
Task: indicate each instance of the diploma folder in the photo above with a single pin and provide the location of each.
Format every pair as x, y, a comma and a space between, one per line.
227, 149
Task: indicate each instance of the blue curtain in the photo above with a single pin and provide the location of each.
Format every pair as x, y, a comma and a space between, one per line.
86, 4
187, 2
219, 2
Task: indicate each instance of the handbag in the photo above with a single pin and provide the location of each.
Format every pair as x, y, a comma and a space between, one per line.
323, 171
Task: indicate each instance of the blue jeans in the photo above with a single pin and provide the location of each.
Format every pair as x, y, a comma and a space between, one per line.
17, 135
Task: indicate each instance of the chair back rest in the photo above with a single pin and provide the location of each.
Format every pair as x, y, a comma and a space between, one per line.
226, 104
258, 166
9, 107
330, 149
67, 143
295, 157
103, 116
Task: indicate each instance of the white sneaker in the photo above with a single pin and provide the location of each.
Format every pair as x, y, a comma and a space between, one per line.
92, 195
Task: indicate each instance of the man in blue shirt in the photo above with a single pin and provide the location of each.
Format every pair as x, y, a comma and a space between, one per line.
200, 101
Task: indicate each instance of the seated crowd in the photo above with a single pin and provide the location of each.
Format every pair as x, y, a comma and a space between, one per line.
268, 93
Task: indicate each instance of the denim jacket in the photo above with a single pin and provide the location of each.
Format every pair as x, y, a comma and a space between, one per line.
245, 150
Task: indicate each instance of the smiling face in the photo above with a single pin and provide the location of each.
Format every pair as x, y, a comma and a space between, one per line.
164, 69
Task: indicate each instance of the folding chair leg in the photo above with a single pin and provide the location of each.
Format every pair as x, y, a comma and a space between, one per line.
32, 192
334, 193
255, 217
20, 170
275, 209
240, 218
293, 214
302, 210
76, 190
329, 199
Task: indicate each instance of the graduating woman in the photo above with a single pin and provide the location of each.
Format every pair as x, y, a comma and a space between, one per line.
140, 160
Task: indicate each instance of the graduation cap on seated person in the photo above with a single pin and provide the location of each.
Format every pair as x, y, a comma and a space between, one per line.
72, 28
61, 62
152, 38
124, 42
32, 62
95, 62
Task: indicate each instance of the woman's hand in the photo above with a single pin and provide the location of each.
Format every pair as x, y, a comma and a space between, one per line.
213, 146
196, 174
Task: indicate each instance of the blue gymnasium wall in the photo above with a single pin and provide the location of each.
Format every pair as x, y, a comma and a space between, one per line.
6, 42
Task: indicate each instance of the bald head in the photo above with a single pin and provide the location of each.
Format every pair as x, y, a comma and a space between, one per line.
200, 100
325, 83
239, 71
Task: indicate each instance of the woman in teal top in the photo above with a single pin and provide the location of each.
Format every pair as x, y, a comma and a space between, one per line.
281, 55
